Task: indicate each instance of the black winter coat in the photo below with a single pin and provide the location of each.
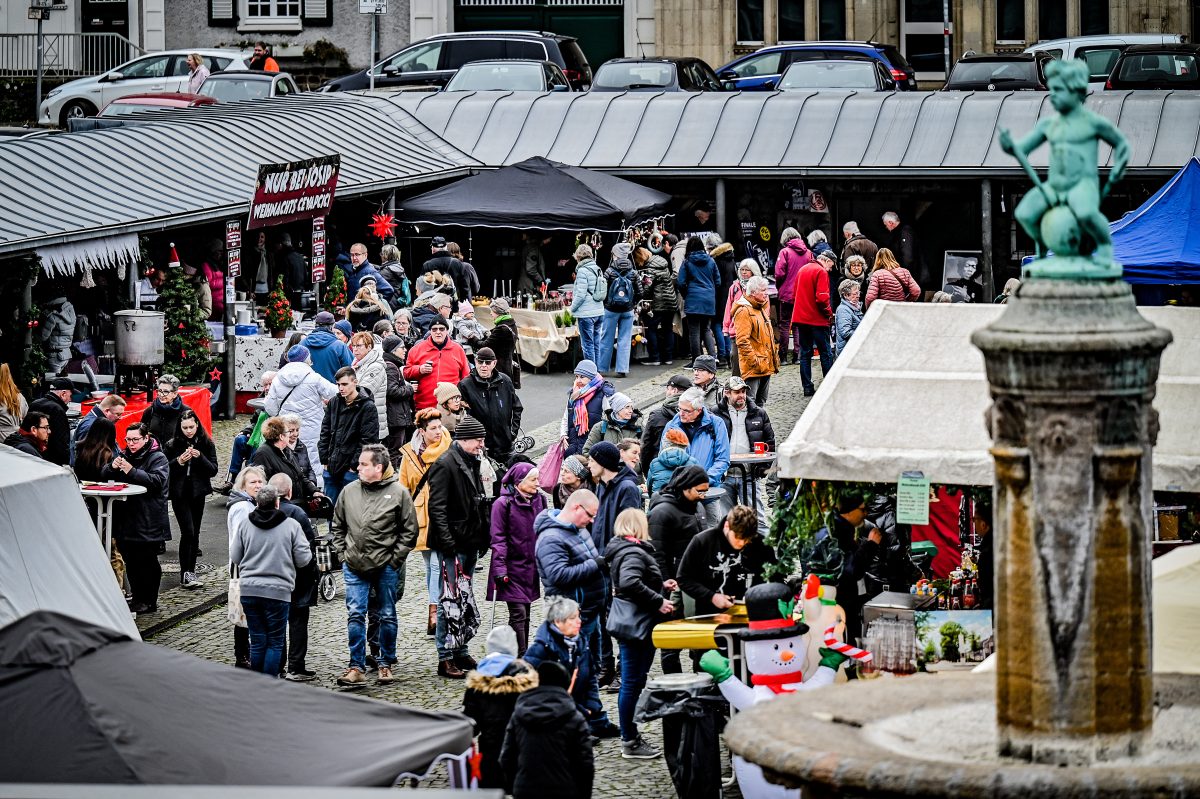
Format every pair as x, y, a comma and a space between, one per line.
489, 701
400, 409
304, 595
495, 404
459, 520
673, 525
652, 432
758, 427
547, 748
58, 448
164, 420
20, 442
193, 478
345, 429
502, 339
274, 461
142, 518
635, 573
442, 261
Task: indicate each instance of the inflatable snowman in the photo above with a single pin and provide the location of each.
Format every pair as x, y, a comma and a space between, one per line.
774, 647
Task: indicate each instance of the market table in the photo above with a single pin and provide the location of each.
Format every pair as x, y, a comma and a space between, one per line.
198, 398
745, 464
708, 632
255, 355
537, 333
105, 495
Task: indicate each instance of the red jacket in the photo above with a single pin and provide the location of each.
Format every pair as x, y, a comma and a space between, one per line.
812, 296
449, 366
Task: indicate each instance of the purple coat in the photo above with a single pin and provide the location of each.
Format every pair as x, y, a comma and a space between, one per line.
792, 256
513, 540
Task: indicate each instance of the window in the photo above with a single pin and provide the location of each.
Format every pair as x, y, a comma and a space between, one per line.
1093, 17
283, 88
765, 64
535, 51
1099, 60
421, 58
791, 20
750, 20
832, 19
155, 67
216, 64
273, 15
459, 51
1010, 20
1052, 19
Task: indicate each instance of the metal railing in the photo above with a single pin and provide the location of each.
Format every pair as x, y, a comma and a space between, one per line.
66, 55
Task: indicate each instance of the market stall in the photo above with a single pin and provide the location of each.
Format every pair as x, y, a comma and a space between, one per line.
198, 398
539, 333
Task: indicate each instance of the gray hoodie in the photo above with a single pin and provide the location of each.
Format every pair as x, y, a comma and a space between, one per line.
268, 547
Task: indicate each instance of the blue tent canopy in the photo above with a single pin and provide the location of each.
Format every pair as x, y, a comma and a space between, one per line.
1157, 242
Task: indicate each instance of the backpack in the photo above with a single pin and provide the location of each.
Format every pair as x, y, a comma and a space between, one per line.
600, 291
621, 292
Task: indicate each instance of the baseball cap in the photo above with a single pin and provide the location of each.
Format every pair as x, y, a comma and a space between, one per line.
324, 319
437, 241
681, 382
735, 383
62, 384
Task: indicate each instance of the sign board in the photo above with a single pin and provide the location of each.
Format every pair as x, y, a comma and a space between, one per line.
372, 6
233, 234
293, 191
234, 259
318, 250
912, 498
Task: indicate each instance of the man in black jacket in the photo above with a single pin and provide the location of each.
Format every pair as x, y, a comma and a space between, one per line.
901, 239
440, 260
33, 436
673, 525
459, 523
547, 749
54, 405
857, 553
656, 422
747, 424
722, 562
350, 422
494, 403
502, 340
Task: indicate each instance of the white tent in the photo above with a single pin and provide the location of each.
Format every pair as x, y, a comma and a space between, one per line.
910, 392
51, 557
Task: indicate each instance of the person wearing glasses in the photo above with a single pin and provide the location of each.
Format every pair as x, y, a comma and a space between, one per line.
162, 417
708, 443
858, 551
673, 524
33, 436
141, 523
361, 269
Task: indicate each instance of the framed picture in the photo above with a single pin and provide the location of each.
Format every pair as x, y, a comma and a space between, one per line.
961, 276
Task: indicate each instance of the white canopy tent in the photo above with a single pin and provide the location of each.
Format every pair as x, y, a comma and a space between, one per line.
910, 392
51, 557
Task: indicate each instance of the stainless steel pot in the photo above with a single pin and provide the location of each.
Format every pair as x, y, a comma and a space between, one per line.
140, 337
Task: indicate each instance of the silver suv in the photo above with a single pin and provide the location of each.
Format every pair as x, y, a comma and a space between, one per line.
1101, 52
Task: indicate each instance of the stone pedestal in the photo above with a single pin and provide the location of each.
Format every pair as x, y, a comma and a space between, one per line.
1072, 367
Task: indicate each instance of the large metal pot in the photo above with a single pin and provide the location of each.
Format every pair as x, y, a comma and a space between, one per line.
140, 337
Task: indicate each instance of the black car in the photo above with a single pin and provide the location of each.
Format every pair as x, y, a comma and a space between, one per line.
656, 75
430, 63
1156, 66
999, 73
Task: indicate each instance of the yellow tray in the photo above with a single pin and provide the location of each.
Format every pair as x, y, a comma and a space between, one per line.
698, 632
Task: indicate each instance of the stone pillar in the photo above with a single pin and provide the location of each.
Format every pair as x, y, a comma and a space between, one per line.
1072, 367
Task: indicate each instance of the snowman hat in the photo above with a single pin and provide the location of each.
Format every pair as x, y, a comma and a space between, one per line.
769, 607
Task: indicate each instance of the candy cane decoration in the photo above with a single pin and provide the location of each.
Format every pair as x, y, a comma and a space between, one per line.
849, 651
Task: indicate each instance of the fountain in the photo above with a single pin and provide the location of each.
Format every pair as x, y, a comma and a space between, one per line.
1073, 707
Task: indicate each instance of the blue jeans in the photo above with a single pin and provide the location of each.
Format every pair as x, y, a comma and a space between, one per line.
467, 561
333, 486
241, 453
733, 496
618, 329
433, 574
266, 620
389, 587
587, 695
719, 334
589, 337
811, 335
636, 659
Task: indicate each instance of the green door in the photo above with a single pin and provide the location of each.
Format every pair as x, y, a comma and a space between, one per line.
599, 29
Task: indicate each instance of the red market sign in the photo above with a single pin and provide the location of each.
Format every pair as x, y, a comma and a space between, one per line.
318, 249
293, 191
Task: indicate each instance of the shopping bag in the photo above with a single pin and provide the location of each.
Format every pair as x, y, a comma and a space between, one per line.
237, 616
458, 607
256, 435
626, 622
549, 467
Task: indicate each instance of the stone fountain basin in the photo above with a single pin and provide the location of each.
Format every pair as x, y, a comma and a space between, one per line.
935, 736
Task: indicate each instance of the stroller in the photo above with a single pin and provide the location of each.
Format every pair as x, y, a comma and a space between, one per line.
328, 565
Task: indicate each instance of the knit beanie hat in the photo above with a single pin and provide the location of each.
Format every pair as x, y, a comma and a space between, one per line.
465, 308
621, 250
391, 342
619, 402
445, 391
439, 321
469, 428
677, 437
502, 640
297, 353
587, 368
345, 327
577, 467
604, 453
551, 672
501, 306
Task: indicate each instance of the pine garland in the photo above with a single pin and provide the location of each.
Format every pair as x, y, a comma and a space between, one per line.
28, 364
186, 339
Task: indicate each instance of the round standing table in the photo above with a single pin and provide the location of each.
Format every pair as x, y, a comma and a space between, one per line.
745, 463
105, 497
258, 403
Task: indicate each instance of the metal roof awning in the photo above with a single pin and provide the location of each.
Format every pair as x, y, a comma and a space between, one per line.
776, 134
184, 167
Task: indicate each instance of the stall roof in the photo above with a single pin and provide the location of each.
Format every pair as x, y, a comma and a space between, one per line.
916, 362
190, 166
942, 134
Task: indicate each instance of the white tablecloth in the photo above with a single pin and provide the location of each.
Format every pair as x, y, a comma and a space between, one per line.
255, 355
538, 335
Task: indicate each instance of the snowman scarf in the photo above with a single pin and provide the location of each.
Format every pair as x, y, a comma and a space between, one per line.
776, 681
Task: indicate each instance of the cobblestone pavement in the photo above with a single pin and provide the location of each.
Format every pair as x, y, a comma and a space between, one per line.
209, 635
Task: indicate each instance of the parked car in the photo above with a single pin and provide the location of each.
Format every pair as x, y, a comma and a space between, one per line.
1101, 52
164, 71
226, 87
656, 75
999, 72
865, 74
134, 103
1156, 66
430, 63
760, 70
509, 74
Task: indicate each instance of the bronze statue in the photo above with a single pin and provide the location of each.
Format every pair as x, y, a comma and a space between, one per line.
1063, 212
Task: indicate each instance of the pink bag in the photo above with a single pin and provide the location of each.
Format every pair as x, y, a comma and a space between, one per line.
549, 467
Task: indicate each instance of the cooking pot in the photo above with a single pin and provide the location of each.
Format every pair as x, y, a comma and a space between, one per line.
140, 337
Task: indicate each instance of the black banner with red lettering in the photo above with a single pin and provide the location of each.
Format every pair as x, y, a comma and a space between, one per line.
292, 191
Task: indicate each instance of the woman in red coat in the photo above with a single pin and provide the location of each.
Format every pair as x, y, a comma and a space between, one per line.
435, 359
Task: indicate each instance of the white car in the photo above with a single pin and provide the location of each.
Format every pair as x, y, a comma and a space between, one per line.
164, 71
1100, 52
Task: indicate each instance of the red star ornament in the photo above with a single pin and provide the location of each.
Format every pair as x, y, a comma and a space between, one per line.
383, 225
214, 375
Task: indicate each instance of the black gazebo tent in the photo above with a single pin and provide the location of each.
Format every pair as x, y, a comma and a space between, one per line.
86, 704
537, 194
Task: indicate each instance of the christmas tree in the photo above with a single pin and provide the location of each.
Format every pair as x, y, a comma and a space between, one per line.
335, 296
187, 336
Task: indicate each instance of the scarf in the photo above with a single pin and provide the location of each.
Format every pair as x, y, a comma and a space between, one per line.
776, 681
501, 318
579, 400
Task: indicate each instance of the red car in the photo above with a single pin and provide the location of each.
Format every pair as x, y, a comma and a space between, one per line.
133, 103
